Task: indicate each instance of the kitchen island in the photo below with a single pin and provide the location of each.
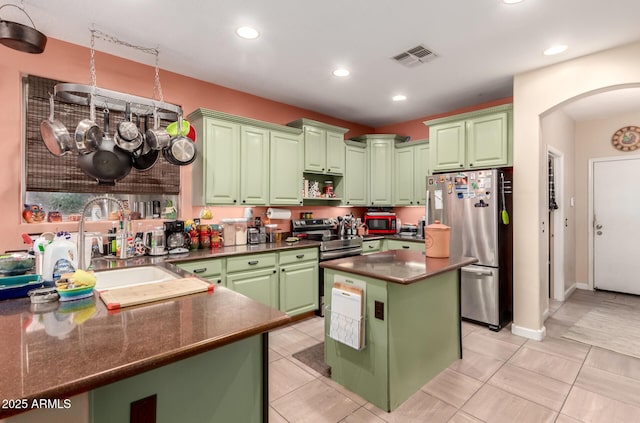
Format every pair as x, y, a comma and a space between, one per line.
412, 326
200, 357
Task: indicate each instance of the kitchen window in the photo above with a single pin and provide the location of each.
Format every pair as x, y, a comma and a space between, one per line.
57, 183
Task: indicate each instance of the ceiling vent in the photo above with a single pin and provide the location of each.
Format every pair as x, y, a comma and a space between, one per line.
414, 56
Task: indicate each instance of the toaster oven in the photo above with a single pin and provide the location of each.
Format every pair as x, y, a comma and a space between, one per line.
381, 223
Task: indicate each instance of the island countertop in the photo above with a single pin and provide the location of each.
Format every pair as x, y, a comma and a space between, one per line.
397, 266
54, 351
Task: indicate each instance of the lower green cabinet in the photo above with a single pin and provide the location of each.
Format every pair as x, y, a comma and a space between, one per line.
287, 280
396, 244
260, 285
299, 287
373, 246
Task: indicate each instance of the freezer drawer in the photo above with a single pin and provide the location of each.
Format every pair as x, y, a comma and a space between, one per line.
479, 294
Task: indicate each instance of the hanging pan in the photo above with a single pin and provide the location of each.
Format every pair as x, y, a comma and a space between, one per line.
88, 135
181, 150
55, 134
145, 157
109, 163
21, 37
128, 136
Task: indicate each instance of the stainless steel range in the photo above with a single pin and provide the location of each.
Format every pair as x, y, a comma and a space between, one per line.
332, 246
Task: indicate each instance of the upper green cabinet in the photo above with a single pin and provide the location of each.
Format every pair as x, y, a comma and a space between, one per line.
235, 161
474, 140
356, 175
411, 167
324, 148
286, 169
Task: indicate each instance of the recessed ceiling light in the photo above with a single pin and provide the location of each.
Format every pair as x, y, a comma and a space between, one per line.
399, 97
555, 50
512, 1
342, 72
247, 32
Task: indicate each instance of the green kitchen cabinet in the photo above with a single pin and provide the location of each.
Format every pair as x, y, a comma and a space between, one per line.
254, 165
234, 161
298, 280
209, 269
221, 385
411, 164
396, 244
356, 175
216, 170
324, 147
285, 180
381, 175
255, 276
474, 140
372, 246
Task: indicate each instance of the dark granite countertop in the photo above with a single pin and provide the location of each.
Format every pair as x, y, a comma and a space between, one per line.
397, 266
57, 350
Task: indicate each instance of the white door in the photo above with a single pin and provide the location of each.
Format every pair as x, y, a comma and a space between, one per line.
616, 225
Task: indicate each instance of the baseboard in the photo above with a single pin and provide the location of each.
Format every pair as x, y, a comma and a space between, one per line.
582, 285
570, 290
536, 335
545, 315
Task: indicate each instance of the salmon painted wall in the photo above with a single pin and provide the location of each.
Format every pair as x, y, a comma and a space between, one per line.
69, 62
417, 130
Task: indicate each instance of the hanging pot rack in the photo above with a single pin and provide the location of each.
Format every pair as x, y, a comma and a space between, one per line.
113, 100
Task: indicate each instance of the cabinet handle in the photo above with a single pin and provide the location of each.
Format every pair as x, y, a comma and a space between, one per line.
406, 247
235, 201
219, 281
323, 169
461, 165
370, 246
300, 256
244, 201
282, 270
410, 202
301, 202
274, 271
348, 202
470, 164
200, 270
253, 262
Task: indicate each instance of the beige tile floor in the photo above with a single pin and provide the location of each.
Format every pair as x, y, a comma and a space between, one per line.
502, 378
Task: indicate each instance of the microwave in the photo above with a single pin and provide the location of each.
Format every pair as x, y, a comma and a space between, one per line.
381, 223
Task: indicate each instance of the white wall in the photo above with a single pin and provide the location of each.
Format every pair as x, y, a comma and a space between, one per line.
537, 93
558, 134
593, 140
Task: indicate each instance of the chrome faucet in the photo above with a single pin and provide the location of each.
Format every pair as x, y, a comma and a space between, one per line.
123, 241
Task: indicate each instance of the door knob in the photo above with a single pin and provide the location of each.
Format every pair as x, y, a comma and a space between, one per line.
599, 232
598, 226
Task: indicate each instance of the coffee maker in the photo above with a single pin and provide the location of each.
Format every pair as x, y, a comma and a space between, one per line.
175, 236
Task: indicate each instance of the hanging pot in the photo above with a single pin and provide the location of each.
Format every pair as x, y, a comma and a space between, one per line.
145, 157
88, 135
181, 150
21, 37
128, 136
55, 134
157, 138
109, 163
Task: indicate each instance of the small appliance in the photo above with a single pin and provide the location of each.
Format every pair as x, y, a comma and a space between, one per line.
381, 222
176, 237
155, 241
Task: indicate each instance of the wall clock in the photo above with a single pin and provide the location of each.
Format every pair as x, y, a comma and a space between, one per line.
627, 138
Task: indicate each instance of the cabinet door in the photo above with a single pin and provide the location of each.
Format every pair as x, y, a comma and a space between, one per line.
370, 247
285, 183
381, 175
210, 269
420, 173
447, 146
221, 162
314, 149
403, 176
355, 176
299, 288
335, 153
259, 285
254, 165
487, 140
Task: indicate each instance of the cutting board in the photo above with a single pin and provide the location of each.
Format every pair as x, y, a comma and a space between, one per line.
133, 295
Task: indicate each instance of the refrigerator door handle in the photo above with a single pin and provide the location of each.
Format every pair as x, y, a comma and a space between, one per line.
477, 271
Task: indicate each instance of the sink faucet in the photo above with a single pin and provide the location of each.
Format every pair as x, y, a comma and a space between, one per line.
123, 241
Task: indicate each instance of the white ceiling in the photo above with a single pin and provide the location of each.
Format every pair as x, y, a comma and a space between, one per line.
480, 45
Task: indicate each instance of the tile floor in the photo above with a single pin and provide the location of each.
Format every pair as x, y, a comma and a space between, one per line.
502, 378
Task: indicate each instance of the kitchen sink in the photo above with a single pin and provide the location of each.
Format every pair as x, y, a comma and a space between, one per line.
132, 276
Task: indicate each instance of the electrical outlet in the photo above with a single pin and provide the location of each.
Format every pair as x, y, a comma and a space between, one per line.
378, 310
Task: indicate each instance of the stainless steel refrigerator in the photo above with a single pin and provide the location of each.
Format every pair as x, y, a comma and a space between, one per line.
477, 206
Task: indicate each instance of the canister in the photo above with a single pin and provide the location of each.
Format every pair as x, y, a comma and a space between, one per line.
436, 240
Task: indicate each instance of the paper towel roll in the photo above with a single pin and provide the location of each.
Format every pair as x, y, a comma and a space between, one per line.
278, 213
